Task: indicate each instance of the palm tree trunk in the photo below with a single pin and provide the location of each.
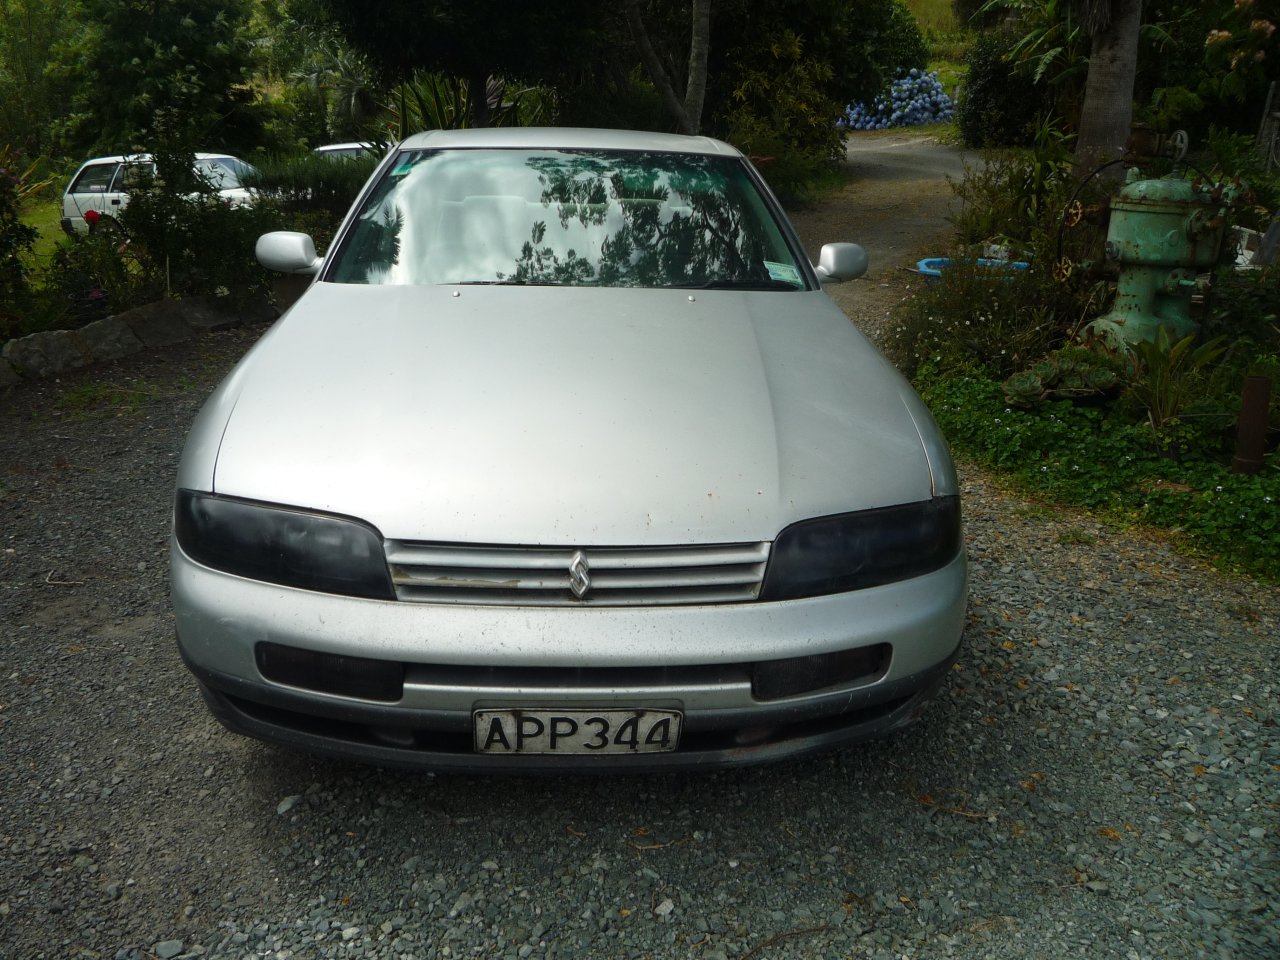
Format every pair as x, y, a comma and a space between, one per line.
1107, 113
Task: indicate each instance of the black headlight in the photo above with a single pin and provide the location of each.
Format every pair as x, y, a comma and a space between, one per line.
282, 545
864, 549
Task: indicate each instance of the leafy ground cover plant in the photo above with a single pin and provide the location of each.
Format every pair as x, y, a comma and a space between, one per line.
1085, 455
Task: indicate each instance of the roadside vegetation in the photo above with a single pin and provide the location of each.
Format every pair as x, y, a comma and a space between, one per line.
1146, 435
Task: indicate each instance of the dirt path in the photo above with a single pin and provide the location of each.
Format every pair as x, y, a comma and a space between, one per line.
895, 204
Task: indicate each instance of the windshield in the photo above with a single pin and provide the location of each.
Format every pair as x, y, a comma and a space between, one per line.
223, 173
575, 218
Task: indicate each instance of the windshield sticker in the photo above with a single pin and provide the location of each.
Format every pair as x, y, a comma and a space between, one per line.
784, 272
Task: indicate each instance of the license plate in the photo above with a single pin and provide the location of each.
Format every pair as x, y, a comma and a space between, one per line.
576, 731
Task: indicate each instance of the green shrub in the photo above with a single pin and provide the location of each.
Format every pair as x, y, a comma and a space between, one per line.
629, 101
311, 193
1099, 458
977, 14
975, 318
901, 45
196, 244
997, 107
1169, 376
1017, 195
16, 239
1246, 304
784, 120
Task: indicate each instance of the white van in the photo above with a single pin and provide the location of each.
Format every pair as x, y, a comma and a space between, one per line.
102, 185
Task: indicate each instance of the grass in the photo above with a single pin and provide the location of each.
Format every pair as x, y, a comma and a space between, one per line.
91, 400
934, 16
45, 217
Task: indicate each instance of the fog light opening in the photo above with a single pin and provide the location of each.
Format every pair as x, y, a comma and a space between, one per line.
777, 679
359, 677
394, 737
748, 736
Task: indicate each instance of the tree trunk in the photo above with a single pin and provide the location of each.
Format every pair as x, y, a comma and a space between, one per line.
1107, 113
699, 49
654, 66
478, 97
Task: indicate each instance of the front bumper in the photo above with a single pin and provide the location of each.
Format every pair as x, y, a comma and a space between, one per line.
390, 737
461, 658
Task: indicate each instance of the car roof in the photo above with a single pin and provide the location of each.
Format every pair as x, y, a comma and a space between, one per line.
344, 146
572, 138
146, 157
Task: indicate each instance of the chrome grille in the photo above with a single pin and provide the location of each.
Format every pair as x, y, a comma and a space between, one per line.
618, 576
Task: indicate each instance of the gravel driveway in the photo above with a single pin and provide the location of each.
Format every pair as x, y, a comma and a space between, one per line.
1099, 779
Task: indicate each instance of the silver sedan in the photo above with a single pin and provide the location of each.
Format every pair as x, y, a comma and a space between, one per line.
565, 460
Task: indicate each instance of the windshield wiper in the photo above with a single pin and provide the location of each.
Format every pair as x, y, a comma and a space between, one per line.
508, 283
738, 285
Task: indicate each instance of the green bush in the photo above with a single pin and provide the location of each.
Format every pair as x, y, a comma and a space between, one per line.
975, 318
311, 193
629, 101
971, 13
16, 239
186, 245
900, 45
1098, 458
785, 121
997, 107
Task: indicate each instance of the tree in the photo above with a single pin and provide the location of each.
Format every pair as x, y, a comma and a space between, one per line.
468, 39
687, 114
31, 97
146, 66
1106, 116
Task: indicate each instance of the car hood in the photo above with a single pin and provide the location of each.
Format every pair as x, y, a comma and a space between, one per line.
552, 415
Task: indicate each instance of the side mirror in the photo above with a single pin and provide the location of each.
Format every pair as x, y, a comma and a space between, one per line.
838, 262
288, 252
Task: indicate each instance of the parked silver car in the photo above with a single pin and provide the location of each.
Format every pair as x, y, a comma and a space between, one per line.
566, 460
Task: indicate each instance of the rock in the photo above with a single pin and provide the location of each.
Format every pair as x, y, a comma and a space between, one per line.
167, 949
288, 803
159, 324
8, 375
46, 353
460, 906
110, 339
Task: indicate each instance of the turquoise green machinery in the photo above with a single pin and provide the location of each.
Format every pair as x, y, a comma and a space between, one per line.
1162, 233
